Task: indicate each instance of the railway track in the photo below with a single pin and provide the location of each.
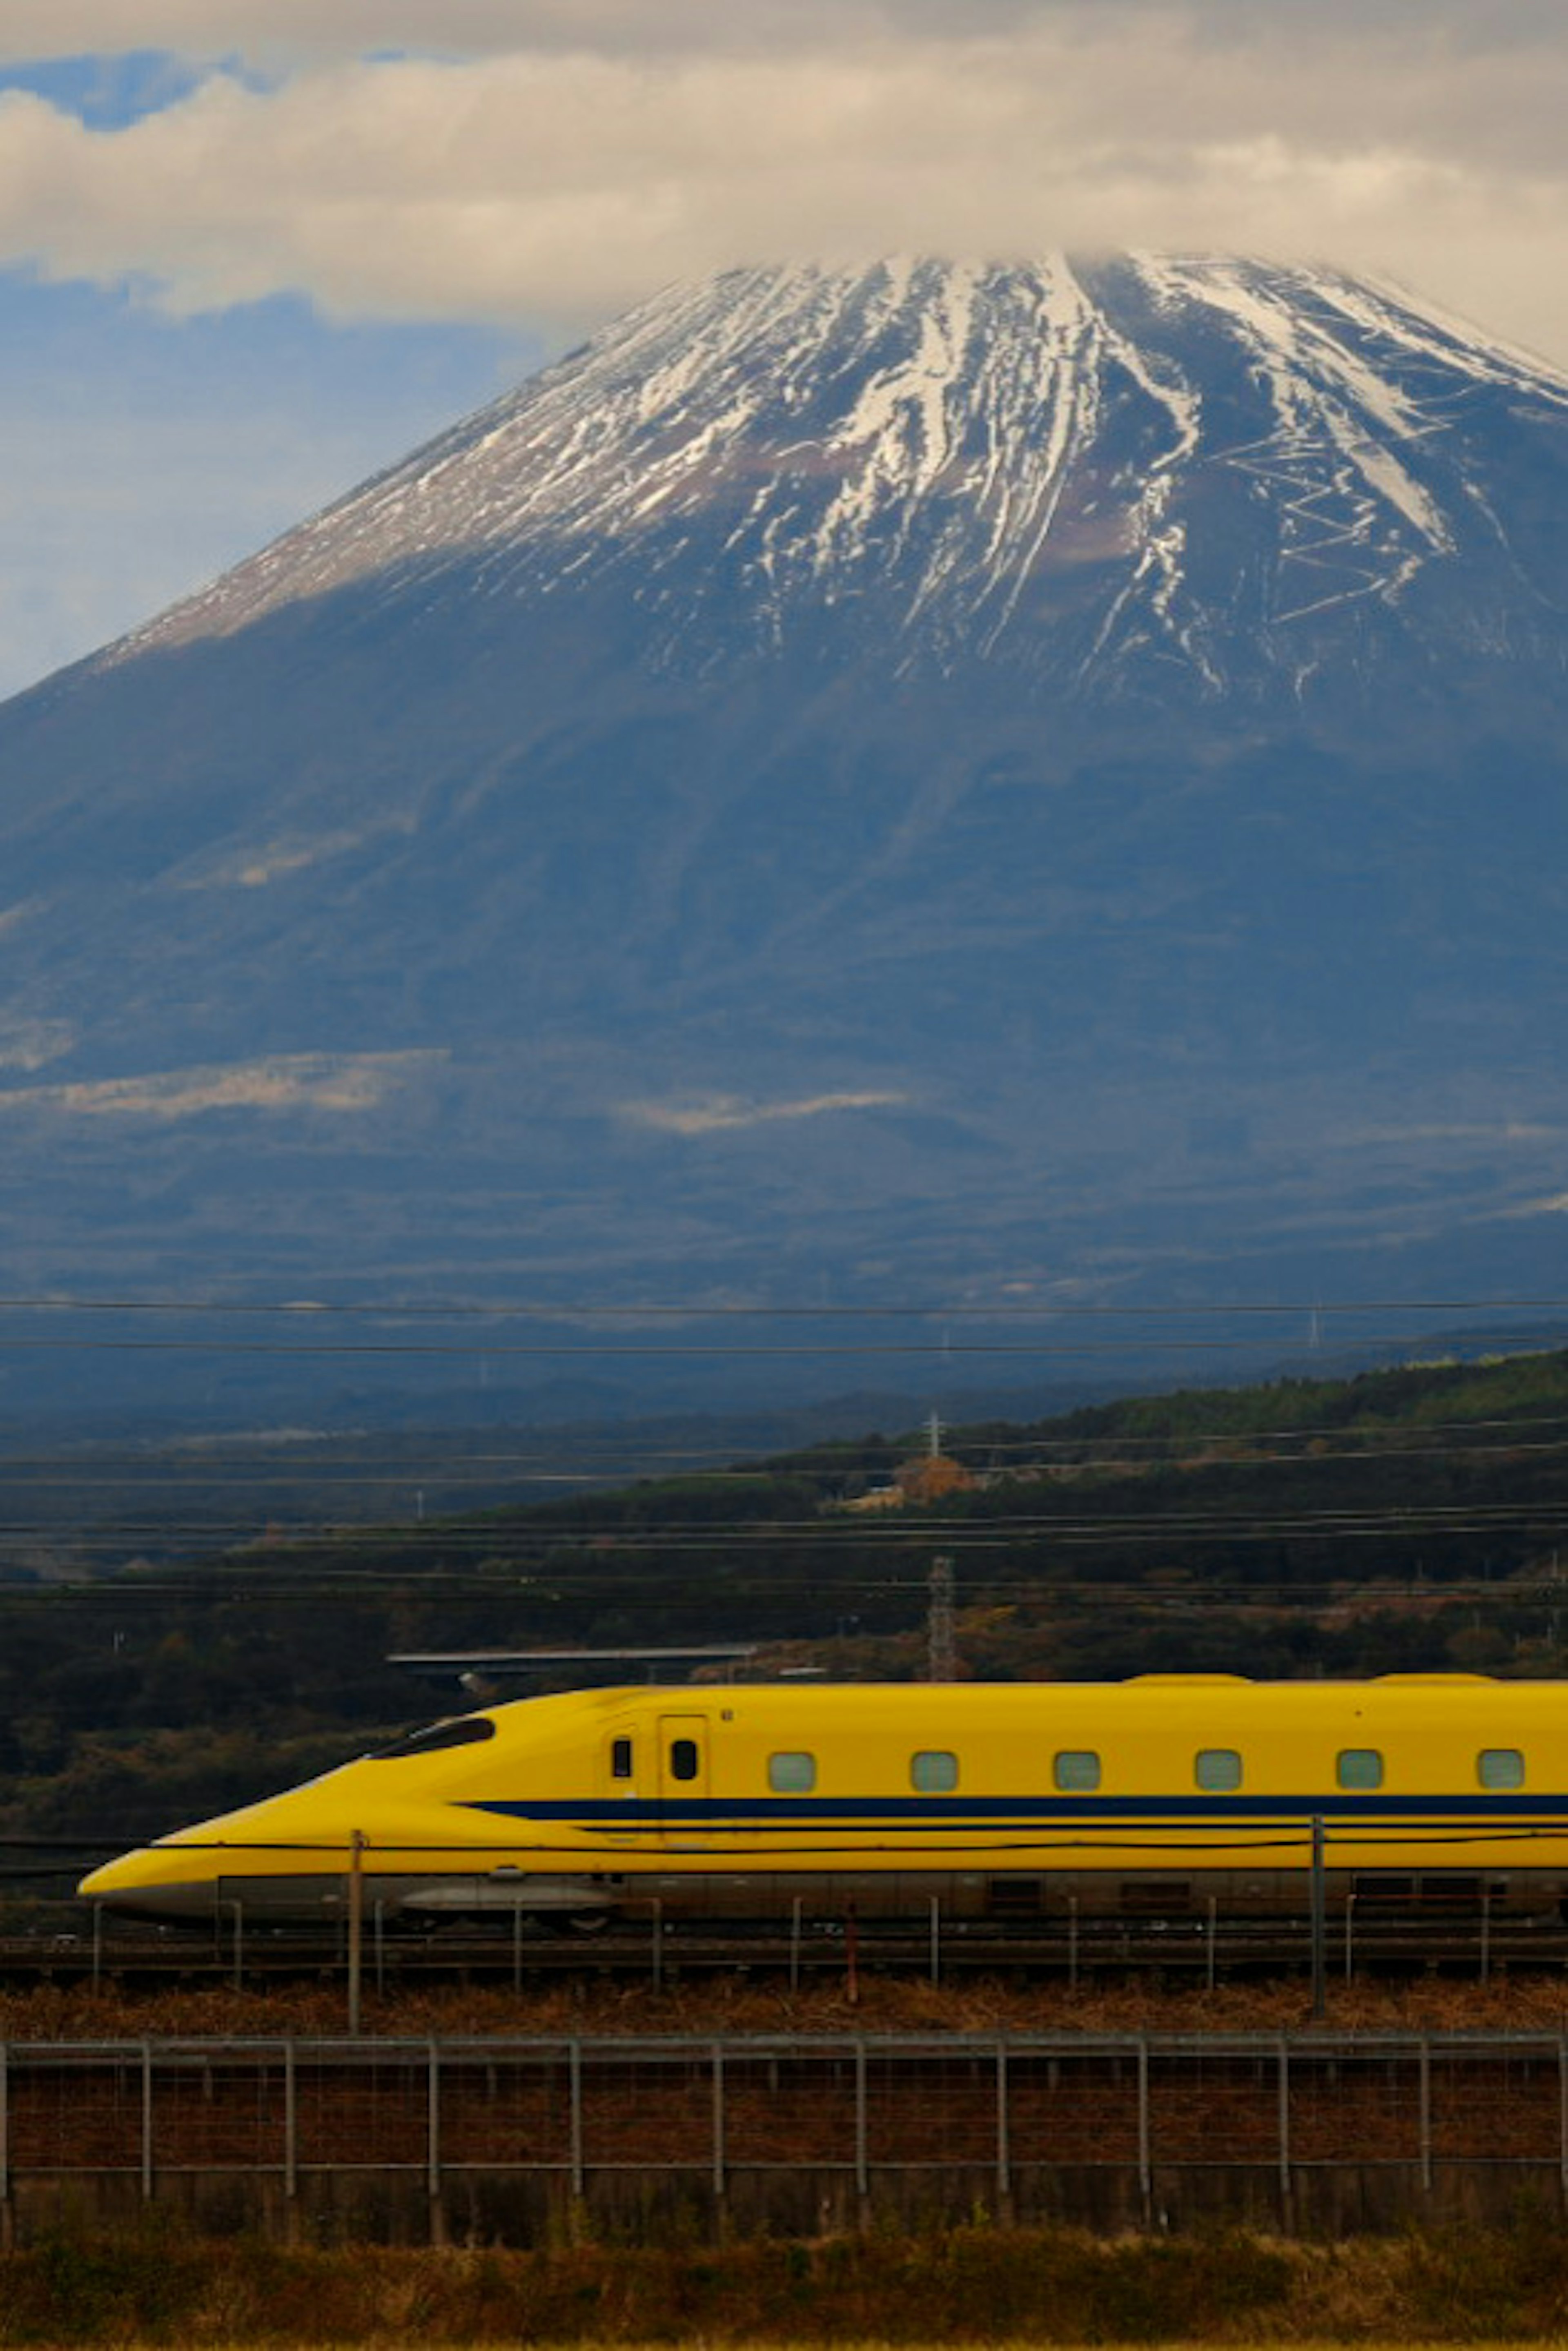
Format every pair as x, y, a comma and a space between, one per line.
1066, 1951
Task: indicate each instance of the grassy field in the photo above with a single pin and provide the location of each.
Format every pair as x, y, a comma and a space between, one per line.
965, 2286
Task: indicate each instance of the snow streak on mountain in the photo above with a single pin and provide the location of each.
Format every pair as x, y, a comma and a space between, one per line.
928, 450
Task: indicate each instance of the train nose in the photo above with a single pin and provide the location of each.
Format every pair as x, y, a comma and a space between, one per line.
155, 1882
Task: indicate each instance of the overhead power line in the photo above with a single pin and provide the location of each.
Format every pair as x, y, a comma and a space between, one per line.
697, 1310
943, 1347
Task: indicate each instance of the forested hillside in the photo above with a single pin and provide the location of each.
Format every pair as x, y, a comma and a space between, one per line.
1401, 1521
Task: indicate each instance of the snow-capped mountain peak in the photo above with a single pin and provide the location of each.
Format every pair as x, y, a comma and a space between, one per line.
1047, 460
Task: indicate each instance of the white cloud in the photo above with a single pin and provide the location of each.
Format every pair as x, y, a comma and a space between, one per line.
28, 1045
561, 166
1554, 1205
720, 1113
291, 29
286, 1081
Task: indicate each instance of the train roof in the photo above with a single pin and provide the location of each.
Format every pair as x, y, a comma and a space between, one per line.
1141, 1694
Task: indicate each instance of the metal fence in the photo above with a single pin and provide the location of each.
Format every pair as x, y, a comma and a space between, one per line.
1146, 2105
1332, 1942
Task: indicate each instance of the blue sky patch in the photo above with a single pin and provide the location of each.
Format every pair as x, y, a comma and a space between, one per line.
109, 92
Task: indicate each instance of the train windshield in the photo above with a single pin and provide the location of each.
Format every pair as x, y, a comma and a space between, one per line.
456, 1730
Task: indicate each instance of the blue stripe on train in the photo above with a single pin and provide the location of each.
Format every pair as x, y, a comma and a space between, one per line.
1047, 1812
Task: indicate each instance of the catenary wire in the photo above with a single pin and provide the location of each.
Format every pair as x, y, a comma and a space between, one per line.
689, 1309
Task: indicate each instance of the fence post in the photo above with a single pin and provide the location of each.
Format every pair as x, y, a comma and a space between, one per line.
1563, 2113
1350, 1935
1319, 1923
290, 2122
96, 1945
862, 2161
6, 2123
1286, 2214
719, 2119
1072, 1942
1003, 2127
1426, 2111
355, 1893
574, 2071
147, 2180
935, 1939
432, 2121
794, 1944
1213, 1924
1144, 2136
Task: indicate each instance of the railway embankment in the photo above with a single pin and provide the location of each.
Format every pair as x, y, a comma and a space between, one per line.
1533, 2000
728, 2161
715, 2120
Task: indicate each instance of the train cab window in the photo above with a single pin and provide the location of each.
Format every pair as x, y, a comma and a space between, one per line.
1360, 1767
1501, 1766
621, 1758
1216, 1769
934, 1773
1077, 1769
457, 1730
684, 1763
791, 1774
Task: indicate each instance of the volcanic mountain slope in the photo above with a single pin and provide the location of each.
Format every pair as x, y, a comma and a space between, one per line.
929, 771
1060, 469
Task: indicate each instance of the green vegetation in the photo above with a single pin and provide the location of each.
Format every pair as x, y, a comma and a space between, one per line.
1405, 1519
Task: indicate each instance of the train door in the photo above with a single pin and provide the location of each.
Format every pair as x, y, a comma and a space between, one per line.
626, 1757
682, 1763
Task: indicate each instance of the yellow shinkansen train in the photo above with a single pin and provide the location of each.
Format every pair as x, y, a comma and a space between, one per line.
1002, 1799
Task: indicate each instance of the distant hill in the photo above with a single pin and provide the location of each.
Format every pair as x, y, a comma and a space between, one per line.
1411, 1520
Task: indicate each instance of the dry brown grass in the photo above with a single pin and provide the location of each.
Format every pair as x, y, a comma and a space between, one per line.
742, 2004
962, 2287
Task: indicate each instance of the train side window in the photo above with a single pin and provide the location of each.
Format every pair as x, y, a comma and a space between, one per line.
621, 1758
934, 1772
683, 1761
1360, 1767
1078, 1769
791, 1774
1216, 1769
1501, 1766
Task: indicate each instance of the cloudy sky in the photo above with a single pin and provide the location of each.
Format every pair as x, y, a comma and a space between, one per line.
279, 241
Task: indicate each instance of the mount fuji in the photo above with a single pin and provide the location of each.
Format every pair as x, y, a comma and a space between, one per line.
1043, 779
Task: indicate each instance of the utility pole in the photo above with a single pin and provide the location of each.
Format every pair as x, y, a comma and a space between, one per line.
942, 1663
356, 1842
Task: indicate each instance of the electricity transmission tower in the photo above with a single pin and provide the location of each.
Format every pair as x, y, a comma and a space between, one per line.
942, 1663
